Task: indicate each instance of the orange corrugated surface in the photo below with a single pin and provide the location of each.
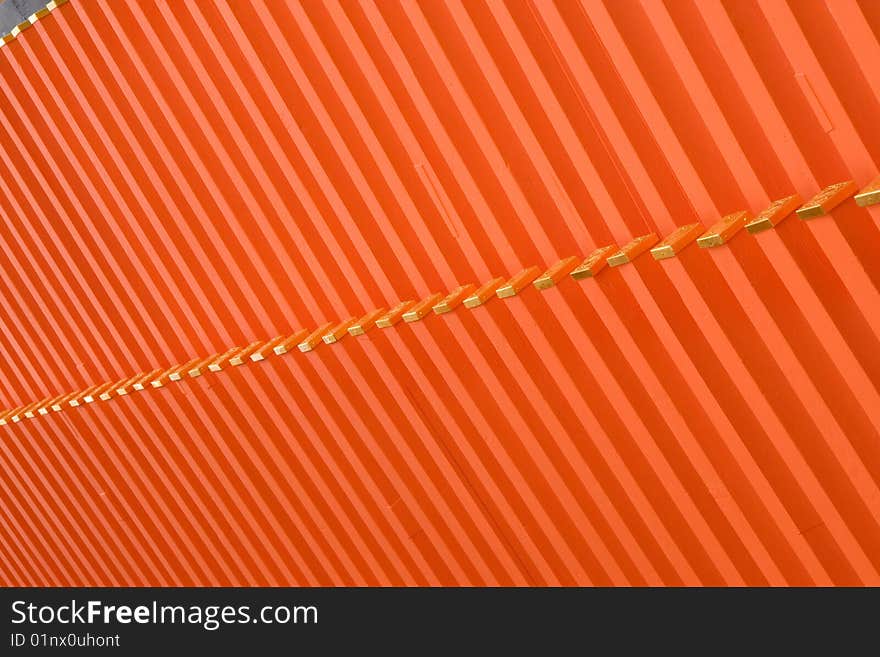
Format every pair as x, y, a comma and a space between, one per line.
179, 178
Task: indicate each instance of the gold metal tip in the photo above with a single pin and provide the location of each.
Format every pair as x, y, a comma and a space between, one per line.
59, 403
710, 241
810, 212
722, 231
46, 407
516, 284
594, 262
663, 252
199, 368
676, 241
122, 388
314, 338
617, 259
826, 200
245, 354
290, 342
483, 294
37, 15
870, 194
222, 360
29, 411
79, 398
759, 226
633, 250
21, 27
95, 393
774, 213
454, 298
180, 371
339, 331
555, 273
366, 322
422, 308
164, 377
266, 348
394, 315
143, 381
87, 394
869, 198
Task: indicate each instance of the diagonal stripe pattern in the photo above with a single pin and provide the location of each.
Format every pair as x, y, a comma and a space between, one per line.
180, 179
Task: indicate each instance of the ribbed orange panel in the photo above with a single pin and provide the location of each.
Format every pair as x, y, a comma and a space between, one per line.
181, 178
